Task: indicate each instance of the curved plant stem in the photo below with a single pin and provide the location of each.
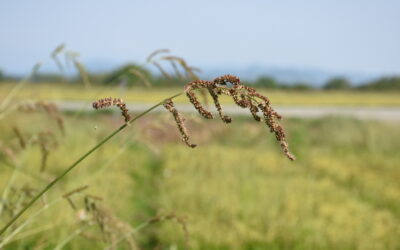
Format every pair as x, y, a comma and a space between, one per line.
76, 163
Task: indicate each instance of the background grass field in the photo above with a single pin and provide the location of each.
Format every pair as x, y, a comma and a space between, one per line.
236, 189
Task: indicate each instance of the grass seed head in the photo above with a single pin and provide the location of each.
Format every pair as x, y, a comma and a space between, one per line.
169, 105
108, 102
243, 96
270, 117
254, 111
74, 191
161, 69
46, 141
155, 53
198, 84
225, 79
214, 95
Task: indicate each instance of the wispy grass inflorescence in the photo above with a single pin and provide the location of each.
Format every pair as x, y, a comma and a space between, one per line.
50, 108
169, 105
244, 97
54, 55
229, 85
185, 72
141, 76
188, 71
46, 141
76, 190
108, 102
198, 84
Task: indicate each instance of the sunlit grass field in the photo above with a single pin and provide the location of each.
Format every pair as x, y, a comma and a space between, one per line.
236, 190
153, 95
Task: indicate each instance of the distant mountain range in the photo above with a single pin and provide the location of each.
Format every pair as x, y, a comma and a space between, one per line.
315, 77
288, 75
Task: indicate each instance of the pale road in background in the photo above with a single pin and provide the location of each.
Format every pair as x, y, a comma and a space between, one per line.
365, 113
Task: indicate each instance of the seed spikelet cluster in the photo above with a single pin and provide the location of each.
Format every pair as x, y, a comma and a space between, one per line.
108, 102
244, 97
169, 105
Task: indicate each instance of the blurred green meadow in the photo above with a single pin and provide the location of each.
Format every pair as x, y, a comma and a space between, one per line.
236, 190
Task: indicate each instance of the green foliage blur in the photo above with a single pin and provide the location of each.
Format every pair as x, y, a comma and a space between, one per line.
123, 76
385, 83
338, 83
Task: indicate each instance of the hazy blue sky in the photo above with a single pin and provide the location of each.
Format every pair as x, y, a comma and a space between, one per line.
358, 36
